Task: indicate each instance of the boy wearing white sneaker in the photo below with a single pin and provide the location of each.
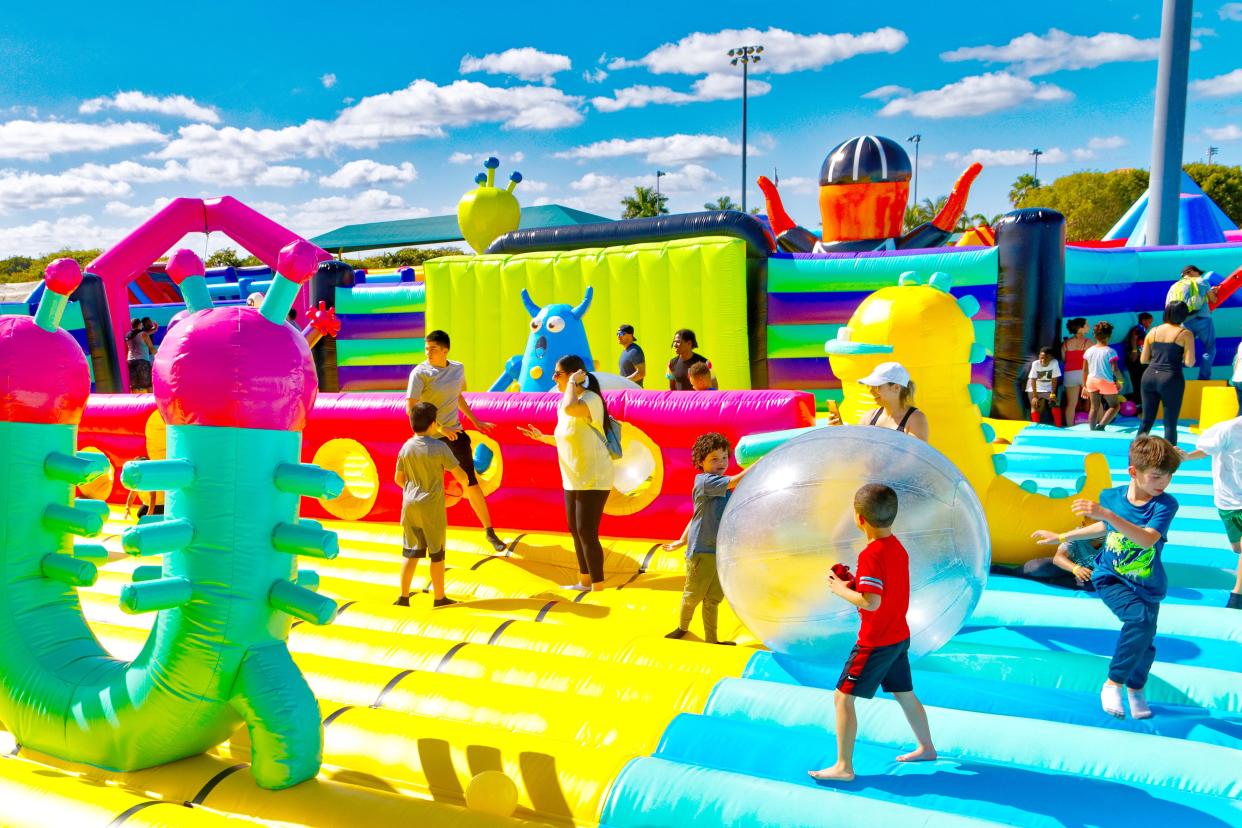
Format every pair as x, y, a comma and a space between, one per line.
1129, 576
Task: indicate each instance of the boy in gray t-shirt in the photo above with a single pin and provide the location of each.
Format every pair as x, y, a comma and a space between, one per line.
440, 381
421, 465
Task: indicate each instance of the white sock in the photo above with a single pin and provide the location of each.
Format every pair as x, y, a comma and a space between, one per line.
1138, 704
1110, 700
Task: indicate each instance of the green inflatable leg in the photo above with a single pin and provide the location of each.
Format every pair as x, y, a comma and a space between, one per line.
282, 716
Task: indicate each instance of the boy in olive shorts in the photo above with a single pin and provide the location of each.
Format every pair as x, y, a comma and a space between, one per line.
1223, 443
440, 381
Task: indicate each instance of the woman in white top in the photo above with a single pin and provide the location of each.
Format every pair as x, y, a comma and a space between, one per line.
586, 465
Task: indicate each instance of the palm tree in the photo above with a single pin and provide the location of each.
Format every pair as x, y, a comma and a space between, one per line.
1021, 188
722, 203
968, 221
924, 211
643, 203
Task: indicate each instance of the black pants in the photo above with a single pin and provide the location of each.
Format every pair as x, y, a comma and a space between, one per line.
1136, 382
584, 510
1165, 387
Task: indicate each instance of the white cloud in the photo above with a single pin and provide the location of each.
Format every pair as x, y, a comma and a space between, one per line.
39, 140
220, 171
1031, 54
328, 80
480, 157
1221, 86
1229, 132
602, 194
670, 149
460, 158
1203, 31
975, 95
178, 106
526, 63
322, 214
1231, 11
883, 93
597, 75
40, 237
798, 185
26, 191
1007, 157
1097, 144
784, 51
421, 109
136, 212
365, 171
713, 87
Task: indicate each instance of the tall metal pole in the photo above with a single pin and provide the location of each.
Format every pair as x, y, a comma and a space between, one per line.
916, 139
1169, 127
745, 78
1037, 152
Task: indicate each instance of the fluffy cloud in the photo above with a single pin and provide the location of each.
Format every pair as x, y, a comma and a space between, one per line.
178, 106
670, 149
1221, 86
526, 63
784, 51
40, 237
421, 110
221, 171
975, 95
883, 93
1229, 132
322, 214
39, 140
1007, 157
328, 80
1231, 11
480, 157
1031, 54
136, 212
597, 75
713, 87
602, 194
27, 191
1095, 145
365, 171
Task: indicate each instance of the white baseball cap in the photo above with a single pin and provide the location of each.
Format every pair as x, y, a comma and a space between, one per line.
893, 372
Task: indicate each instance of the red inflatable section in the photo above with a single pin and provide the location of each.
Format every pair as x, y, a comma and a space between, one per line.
363, 433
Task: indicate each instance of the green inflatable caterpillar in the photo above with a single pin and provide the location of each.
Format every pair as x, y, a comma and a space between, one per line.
235, 385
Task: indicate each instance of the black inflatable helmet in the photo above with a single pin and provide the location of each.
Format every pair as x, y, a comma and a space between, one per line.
867, 159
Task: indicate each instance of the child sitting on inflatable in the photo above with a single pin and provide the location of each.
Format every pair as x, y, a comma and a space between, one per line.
712, 487
1129, 576
421, 465
1041, 386
881, 656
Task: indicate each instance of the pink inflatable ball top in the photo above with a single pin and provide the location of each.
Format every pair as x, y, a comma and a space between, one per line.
1128, 409
183, 264
43, 374
230, 367
1081, 417
63, 276
299, 259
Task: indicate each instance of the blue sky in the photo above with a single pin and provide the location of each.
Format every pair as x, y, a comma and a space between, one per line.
321, 114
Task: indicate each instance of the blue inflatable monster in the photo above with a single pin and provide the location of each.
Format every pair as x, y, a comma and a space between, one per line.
555, 331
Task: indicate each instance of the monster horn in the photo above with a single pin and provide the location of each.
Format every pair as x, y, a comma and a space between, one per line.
531, 307
586, 303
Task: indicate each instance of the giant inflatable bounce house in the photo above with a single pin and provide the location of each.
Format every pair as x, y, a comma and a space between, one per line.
234, 655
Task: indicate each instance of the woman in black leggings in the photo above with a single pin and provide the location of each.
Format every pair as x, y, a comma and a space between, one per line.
1165, 350
586, 465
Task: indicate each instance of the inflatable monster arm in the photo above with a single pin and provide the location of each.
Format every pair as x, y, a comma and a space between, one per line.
789, 236
513, 370
1227, 288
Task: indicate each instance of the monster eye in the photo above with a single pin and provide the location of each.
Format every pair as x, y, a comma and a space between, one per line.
535, 324
555, 324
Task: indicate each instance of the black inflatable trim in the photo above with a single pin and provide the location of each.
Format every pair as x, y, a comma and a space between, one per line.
92, 298
328, 277
636, 231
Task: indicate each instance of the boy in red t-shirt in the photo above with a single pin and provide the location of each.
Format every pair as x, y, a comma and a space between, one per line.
881, 591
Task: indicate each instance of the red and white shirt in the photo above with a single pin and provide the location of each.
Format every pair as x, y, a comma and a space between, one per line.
884, 570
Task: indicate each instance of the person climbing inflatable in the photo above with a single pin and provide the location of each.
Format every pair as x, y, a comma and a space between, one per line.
863, 187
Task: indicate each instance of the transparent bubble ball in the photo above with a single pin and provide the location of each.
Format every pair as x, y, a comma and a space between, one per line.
792, 518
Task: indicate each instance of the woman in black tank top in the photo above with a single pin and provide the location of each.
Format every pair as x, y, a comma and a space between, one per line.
893, 393
1165, 350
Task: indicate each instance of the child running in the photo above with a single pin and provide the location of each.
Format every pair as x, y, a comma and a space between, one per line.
712, 486
1223, 443
1129, 575
1103, 378
880, 658
421, 465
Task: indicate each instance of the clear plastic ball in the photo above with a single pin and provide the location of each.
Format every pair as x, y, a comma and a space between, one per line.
792, 518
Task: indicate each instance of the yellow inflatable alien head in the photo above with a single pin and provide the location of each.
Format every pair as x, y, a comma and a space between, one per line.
487, 212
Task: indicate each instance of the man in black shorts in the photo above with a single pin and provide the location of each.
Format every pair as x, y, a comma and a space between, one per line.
440, 381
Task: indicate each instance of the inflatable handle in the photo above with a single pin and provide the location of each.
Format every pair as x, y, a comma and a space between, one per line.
1226, 288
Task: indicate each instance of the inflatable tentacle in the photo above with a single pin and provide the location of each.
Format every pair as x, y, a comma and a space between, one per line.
953, 209
775, 208
227, 587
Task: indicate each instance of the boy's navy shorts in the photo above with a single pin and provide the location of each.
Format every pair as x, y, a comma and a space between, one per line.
869, 668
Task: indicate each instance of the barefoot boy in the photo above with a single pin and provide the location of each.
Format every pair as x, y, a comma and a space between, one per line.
1129, 575
421, 465
881, 591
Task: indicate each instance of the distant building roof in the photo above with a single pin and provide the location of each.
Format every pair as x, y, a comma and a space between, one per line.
437, 229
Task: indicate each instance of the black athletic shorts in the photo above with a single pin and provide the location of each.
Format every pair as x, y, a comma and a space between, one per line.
869, 668
464, 453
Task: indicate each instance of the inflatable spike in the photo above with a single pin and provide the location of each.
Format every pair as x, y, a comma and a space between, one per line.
151, 596
157, 475
908, 278
978, 353
299, 539
1081, 482
90, 551
308, 480
302, 603
989, 433
977, 393
68, 570
969, 305
146, 572
67, 520
1000, 462
1030, 486
309, 579
75, 469
941, 281
1058, 493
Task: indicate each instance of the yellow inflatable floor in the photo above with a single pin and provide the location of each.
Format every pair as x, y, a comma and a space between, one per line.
556, 689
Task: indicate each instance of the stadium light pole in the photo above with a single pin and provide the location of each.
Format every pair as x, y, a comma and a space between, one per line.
916, 139
1212, 153
1037, 152
659, 174
745, 55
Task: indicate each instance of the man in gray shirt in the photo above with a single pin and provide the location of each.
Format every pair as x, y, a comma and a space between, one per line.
633, 365
441, 382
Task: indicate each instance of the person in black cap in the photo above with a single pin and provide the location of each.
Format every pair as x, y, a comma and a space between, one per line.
633, 365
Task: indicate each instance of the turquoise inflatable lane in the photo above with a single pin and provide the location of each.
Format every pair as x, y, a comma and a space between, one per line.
1013, 700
